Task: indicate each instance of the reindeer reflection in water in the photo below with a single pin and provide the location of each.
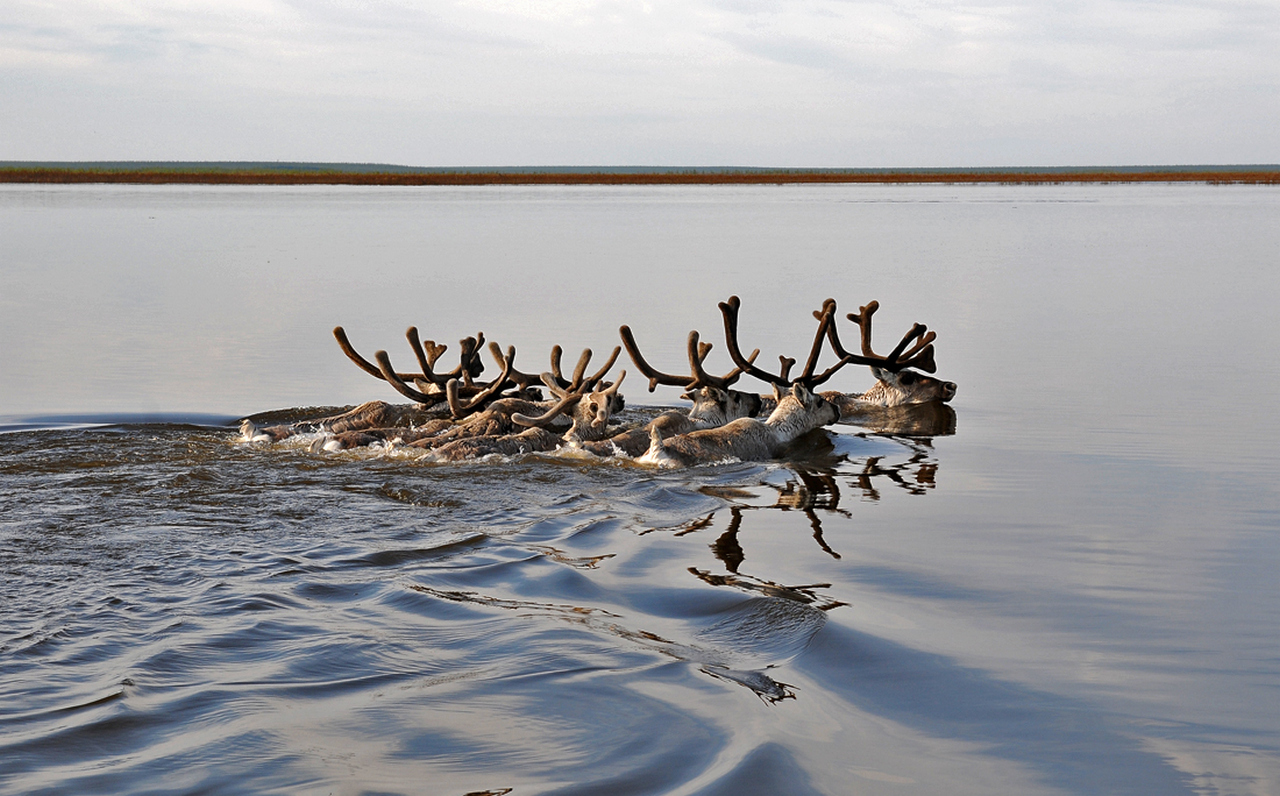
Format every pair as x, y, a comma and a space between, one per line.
814, 492
782, 617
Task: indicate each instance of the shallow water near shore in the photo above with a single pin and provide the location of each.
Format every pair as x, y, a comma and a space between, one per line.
1072, 593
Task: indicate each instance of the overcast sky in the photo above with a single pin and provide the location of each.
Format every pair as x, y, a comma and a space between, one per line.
666, 82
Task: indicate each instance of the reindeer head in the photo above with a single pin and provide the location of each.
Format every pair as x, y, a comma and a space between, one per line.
801, 409
589, 412
898, 388
897, 384
713, 406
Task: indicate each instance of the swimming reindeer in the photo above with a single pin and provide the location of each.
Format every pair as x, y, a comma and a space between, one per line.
588, 410
714, 403
455, 415
498, 417
474, 408
370, 421
799, 410
369, 416
896, 384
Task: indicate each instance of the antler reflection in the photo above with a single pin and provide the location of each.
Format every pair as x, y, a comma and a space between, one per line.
817, 493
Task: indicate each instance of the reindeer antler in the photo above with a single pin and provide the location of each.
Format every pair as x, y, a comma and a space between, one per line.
591, 383
826, 319
522, 380
368, 367
826, 328
919, 356
655, 376
579, 371
697, 356
729, 309
603, 398
394, 379
460, 409
698, 352
426, 359
469, 367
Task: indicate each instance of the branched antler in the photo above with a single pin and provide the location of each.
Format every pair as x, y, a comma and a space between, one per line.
518, 379
698, 376
361, 362
919, 356
729, 309
590, 384
914, 351
430, 386
698, 352
394, 379
426, 359
460, 409
579, 379
826, 328
568, 400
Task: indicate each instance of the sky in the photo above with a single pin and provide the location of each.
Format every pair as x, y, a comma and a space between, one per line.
788, 83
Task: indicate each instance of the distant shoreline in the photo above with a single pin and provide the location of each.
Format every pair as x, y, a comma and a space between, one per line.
322, 174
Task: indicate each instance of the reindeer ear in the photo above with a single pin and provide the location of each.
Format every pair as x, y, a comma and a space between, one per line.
778, 394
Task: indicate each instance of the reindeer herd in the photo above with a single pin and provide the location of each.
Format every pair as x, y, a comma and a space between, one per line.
455, 416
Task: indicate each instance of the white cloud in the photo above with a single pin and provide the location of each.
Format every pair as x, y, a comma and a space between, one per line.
817, 82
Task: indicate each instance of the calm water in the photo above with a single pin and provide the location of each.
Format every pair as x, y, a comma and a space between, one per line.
1074, 593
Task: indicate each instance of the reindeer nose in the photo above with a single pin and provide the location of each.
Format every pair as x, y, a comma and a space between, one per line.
948, 390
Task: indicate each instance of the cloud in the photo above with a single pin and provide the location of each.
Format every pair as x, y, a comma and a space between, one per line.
811, 82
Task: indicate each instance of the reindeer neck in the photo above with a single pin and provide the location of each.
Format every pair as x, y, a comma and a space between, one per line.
879, 393
789, 420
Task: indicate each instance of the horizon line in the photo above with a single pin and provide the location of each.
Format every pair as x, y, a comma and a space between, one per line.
364, 166
321, 173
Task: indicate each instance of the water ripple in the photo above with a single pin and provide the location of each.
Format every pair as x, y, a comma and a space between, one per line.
187, 614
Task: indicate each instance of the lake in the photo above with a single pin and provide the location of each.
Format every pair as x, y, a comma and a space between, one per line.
1074, 592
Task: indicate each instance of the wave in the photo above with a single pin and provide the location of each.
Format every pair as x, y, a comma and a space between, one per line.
15, 423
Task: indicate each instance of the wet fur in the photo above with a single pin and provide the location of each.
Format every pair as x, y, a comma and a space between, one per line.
369, 415
589, 422
904, 388
712, 408
745, 439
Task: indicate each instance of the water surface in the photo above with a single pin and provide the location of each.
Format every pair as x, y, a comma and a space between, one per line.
1074, 593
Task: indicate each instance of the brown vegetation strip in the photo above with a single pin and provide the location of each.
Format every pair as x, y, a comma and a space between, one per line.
264, 177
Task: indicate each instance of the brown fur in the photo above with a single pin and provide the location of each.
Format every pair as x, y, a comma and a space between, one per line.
900, 389
712, 407
903, 388
531, 440
369, 415
746, 439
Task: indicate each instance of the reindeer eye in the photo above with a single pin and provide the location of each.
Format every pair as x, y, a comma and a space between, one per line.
908, 378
